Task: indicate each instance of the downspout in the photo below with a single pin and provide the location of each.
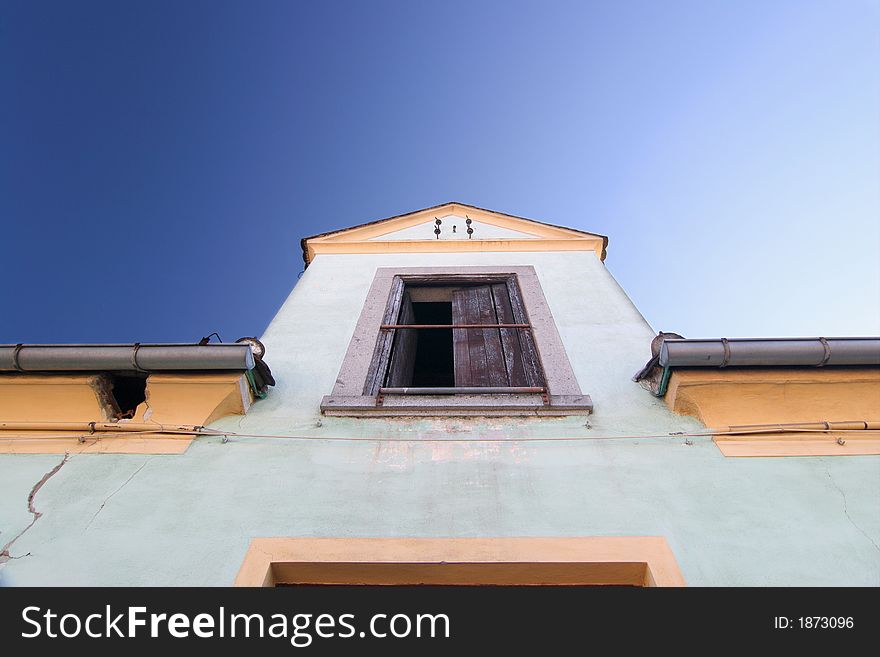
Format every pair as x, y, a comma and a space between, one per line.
664, 381
260, 394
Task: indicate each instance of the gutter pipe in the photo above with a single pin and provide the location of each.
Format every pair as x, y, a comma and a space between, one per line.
766, 352
769, 352
125, 358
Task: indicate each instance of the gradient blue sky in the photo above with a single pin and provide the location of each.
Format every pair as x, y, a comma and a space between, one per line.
159, 161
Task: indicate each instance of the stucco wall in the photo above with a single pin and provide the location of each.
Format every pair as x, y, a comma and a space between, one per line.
187, 519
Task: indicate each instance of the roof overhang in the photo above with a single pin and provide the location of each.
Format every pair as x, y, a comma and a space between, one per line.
770, 352
366, 238
125, 357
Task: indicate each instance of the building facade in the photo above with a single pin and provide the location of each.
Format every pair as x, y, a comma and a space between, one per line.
521, 453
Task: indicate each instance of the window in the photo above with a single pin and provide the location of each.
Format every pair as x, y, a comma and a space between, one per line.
581, 561
446, 351
456, 341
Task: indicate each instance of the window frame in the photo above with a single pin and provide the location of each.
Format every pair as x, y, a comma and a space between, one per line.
645, 561
383, 353
358, 373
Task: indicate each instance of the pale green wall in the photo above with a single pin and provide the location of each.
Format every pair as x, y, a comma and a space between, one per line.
187, 519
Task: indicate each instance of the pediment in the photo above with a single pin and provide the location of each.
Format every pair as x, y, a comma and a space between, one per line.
415, 231
455, 227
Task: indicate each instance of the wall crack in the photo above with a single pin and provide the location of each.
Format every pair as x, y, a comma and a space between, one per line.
4, 553
107, 499
846, 511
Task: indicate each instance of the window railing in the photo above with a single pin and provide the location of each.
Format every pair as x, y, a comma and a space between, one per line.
388, 327
464, 390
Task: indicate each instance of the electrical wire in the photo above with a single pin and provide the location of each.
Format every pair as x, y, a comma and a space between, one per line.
202, 431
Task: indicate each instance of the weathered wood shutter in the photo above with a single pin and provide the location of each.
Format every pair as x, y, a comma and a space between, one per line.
510, 338
377, 373
403, 355
488, 357
534, 375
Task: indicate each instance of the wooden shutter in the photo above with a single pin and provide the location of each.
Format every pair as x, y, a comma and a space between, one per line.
403, 353
531, 364
478, 354
377, 373
510, 338
492, 357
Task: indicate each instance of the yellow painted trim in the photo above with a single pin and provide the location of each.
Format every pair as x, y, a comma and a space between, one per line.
171, 399
548, 237
458, 246
196, 399
779, 445
639, 561
388, 226
36, 397
154, 444
729, 397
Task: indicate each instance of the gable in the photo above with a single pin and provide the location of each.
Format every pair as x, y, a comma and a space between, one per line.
414, 232
454, 227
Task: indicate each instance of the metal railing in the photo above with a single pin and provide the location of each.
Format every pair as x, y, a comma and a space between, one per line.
463, 390
388, 327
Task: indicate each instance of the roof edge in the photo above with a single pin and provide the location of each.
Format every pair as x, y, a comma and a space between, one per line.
304, 241
125, 357
770, 352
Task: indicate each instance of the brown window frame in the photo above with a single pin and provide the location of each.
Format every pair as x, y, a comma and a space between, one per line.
519, 329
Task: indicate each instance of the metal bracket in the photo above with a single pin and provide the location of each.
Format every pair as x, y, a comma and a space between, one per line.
15, 353
134, 357
827, 354
726, 345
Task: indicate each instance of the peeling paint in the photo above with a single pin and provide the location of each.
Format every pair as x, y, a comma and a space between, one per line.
5, 555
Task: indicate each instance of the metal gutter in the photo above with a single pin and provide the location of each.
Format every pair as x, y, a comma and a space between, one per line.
124, 358
770, 352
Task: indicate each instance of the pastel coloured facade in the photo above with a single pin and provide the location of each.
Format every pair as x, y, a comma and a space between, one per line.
520, 453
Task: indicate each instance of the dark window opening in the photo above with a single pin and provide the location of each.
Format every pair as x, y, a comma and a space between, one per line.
128, 393
501, 357
434, 365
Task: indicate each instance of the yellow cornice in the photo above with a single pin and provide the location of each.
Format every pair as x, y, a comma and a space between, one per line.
457, 246
171, 399
364, 238
779, 396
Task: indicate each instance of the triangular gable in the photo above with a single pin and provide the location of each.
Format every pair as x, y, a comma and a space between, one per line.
455, 227
493, 231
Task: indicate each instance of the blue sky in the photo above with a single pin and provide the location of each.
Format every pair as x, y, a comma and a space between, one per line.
159, 161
